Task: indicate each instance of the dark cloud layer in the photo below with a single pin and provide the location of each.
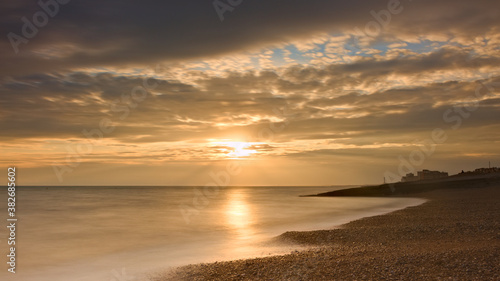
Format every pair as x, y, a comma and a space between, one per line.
96, 33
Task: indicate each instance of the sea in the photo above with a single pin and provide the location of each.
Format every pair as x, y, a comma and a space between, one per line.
132, 233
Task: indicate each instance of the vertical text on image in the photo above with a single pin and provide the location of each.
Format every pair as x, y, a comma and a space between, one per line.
12, 220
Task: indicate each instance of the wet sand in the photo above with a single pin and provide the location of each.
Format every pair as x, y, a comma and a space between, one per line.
453, 236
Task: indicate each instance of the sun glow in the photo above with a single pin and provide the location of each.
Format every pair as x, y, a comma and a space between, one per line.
234, 149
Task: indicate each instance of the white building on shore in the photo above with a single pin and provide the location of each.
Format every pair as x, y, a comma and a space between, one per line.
424, 175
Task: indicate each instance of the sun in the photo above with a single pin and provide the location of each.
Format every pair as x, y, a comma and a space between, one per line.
234, 149
239, 149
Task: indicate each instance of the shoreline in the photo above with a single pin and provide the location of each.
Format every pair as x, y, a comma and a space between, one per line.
455, 234
400, 189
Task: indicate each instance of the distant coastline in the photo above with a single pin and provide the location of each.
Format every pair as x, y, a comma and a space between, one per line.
416, 187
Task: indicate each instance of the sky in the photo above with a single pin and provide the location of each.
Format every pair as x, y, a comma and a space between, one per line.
247, 92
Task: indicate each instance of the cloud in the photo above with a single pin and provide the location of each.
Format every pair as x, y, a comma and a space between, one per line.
62, 106
120, 33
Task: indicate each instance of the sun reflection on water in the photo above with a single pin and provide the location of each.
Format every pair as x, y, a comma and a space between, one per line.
238, 214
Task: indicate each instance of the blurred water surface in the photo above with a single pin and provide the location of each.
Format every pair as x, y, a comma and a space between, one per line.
122, 233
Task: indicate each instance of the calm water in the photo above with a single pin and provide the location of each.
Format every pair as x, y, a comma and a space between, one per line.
121, 233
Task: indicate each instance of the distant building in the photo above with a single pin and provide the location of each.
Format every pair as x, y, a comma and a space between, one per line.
409, 177
487, 170
479, 171
424, 175
430, 175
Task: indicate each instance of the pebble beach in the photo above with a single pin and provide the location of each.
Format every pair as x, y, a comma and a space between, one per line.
455, 235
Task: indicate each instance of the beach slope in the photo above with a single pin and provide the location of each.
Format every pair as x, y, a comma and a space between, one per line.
453, 236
